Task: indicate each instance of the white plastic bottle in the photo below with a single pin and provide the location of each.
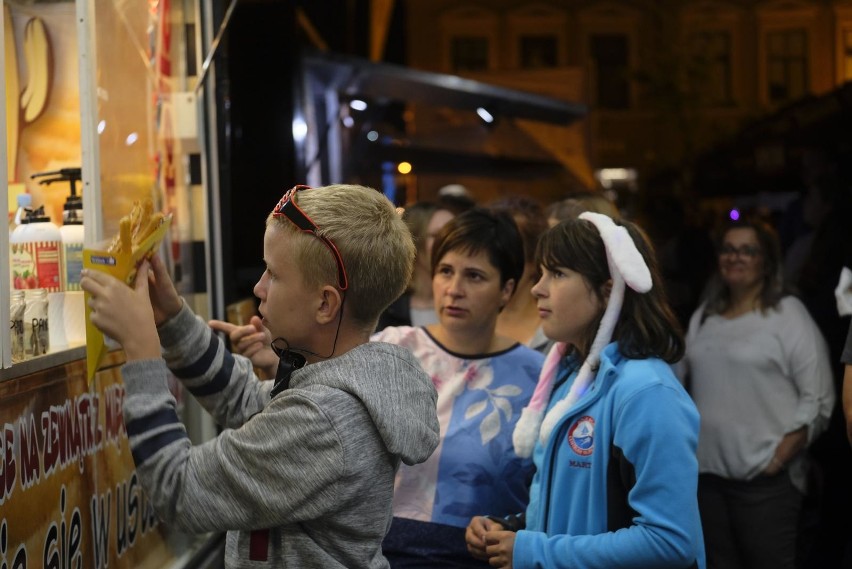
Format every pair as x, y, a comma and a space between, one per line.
20, 260
36, 248
25, 202
16, 325
72, 243
36, 326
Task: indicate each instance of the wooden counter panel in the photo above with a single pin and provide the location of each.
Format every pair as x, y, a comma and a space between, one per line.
68, 488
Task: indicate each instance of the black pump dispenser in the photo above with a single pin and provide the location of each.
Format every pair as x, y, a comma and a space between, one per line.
72, 211
36, 215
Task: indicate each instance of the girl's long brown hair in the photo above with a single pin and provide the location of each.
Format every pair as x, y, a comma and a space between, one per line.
647, 326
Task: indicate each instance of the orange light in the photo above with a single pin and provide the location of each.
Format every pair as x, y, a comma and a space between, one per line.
404, 168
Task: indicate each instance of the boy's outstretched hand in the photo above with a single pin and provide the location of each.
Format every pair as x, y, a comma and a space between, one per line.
165, 300
123, 313
252, 341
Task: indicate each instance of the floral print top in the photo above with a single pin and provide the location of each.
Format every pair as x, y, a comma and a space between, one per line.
474, 470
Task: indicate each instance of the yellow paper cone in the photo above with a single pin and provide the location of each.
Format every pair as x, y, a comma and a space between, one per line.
122, 266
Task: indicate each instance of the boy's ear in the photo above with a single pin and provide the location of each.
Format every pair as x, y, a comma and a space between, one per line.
331, 304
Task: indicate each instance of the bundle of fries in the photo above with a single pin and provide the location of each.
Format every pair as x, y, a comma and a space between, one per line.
140, 233
135, 227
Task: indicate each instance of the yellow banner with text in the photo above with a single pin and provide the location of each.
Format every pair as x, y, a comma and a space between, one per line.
69, 493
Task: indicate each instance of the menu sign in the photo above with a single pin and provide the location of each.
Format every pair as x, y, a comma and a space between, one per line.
69, 493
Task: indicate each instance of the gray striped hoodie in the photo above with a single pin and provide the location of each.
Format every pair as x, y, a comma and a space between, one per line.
304, 479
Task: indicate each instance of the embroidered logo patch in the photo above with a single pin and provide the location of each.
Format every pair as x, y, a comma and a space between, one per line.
581, 436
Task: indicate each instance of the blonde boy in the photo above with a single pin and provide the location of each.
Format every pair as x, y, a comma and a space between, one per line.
302, 475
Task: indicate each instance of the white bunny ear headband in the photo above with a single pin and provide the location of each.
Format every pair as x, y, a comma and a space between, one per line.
627, 267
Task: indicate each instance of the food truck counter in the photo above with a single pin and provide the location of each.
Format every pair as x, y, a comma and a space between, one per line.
110, 76
68, 487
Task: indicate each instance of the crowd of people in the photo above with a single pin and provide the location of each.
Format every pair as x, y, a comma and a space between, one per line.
504, 384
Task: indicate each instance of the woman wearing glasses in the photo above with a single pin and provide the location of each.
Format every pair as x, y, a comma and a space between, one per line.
483, 381
758, 370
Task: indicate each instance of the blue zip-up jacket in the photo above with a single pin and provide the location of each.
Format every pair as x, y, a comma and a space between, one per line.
616, 483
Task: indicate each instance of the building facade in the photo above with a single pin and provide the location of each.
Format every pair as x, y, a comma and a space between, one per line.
664, 79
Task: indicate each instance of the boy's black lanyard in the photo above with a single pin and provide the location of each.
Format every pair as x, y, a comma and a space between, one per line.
287, 362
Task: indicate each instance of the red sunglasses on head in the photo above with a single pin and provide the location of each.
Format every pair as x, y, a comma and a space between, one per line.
288, 208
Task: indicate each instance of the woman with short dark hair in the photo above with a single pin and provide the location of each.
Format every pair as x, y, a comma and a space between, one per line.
483, 381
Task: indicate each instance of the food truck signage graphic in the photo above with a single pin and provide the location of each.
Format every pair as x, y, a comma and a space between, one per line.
69, 493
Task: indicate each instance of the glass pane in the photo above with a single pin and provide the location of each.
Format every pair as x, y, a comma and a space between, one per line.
796, 43
777, 92
610, 49
787, 64
775, 44
798, 81
718, 85
469, 53
610, 56
776, 72
538, 52
777, 88
124, 83
719, 43
712, 65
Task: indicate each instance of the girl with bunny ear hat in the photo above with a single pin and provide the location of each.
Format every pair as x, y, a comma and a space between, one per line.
611, 430
627, 267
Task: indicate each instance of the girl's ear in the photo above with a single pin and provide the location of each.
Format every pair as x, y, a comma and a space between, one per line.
606, 290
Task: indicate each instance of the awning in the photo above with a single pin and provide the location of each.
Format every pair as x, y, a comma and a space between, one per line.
452, 152
352, 76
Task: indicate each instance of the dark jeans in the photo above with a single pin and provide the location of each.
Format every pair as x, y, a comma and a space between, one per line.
424, 545
749, 524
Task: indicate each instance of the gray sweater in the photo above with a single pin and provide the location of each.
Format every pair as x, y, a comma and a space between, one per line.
755, 378
301, 480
